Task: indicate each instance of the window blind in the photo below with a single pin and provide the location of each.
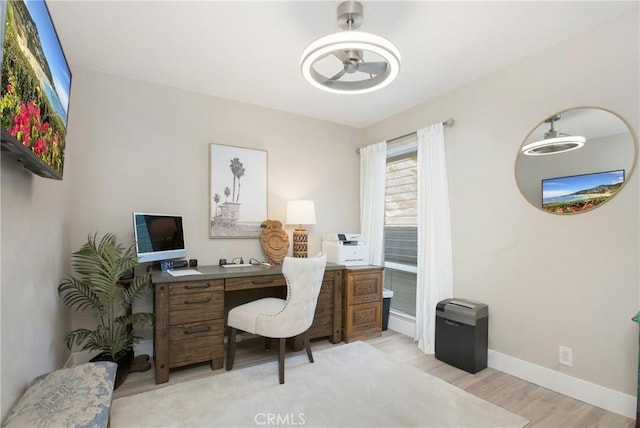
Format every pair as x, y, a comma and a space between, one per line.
401, 202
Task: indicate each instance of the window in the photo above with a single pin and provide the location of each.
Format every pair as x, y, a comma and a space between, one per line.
401, 225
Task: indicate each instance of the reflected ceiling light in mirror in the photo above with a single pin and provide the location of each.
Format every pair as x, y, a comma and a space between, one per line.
610, 146
554, 142
351, 62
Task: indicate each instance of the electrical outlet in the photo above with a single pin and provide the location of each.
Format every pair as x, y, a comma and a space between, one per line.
566, 356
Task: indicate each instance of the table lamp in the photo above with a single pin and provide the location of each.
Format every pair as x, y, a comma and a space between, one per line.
300, 212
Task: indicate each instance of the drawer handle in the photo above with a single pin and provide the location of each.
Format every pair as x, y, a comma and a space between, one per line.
197, 330
263, 281
196, 287
195, 302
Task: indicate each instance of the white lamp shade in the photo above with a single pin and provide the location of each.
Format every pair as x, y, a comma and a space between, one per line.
301, 212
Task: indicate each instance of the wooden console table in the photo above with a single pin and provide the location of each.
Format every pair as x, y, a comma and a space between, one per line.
190, 311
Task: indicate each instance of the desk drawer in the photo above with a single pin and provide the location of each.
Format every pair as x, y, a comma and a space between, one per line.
249, 282
196, 342
188, 287
193, 307
194, 330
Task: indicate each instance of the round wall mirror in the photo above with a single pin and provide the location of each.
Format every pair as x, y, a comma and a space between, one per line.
575, 160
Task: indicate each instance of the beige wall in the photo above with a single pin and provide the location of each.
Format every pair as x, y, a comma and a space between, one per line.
143, 147
548, 280
35, 254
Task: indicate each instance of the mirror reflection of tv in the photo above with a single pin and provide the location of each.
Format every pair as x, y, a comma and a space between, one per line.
34, 95
582, 192
158, 237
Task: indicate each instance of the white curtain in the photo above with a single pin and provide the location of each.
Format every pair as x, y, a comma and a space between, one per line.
435, 276
373, 163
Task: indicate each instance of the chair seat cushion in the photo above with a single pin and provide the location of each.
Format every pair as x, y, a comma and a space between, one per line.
244, 317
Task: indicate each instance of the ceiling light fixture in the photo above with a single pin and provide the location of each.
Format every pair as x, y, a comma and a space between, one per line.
553, 142
365, 62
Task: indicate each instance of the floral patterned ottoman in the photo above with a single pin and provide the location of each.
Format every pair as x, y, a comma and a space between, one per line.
78, 396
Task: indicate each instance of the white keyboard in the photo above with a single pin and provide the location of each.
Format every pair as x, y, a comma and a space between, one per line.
238, 265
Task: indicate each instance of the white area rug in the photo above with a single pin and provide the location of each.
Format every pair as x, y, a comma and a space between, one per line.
352, 385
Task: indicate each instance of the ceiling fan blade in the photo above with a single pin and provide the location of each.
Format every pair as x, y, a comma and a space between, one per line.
372, 67
339, 74
342, 56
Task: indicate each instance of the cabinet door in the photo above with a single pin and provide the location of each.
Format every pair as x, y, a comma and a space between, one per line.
364, 287
363, 321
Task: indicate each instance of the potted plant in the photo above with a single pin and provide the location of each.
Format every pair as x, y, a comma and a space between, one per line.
98, 286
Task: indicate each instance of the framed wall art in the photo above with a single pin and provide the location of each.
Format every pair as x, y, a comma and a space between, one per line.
237, 191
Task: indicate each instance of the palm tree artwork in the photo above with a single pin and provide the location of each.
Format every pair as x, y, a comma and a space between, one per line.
238, 202
230, 211
237, 169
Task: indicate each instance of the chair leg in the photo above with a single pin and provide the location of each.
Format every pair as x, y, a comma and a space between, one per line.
231, 348
281, 349
307, 345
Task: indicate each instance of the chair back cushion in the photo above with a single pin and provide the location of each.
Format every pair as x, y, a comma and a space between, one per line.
304, 280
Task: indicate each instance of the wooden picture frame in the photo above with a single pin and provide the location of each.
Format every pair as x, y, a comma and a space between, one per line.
237, 191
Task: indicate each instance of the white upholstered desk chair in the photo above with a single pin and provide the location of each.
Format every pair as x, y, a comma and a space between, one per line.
279, 318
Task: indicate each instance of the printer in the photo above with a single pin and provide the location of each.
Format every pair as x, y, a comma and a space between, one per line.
348, 249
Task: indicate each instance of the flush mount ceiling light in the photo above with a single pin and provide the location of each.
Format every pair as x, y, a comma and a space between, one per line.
553, 142
350, 62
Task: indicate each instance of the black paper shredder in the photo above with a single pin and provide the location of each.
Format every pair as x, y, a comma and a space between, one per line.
462, 328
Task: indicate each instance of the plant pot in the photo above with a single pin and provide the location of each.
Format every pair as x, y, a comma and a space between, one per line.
124, 364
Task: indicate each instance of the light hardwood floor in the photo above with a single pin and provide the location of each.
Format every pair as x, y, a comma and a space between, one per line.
542, 407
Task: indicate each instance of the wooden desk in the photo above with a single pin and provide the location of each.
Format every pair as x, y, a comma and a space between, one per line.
190, 311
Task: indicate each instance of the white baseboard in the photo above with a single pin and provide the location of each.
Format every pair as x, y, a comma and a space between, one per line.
79, 357
69, 362
144, 347
402, 324
597, 395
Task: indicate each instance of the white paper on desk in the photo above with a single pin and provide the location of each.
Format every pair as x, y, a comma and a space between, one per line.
183, 272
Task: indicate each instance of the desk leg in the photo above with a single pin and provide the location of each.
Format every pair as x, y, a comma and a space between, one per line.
161, 332
336, 336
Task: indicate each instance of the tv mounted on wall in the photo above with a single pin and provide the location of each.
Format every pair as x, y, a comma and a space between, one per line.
580, 192
158, 237
36, 82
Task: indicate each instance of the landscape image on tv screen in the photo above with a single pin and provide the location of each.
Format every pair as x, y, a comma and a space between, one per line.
580, 192
36, 81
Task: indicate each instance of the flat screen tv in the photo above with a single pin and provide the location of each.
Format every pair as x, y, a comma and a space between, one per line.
158, 237
36, 82
580, 192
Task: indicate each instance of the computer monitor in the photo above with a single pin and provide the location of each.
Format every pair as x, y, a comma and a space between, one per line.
158, 237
